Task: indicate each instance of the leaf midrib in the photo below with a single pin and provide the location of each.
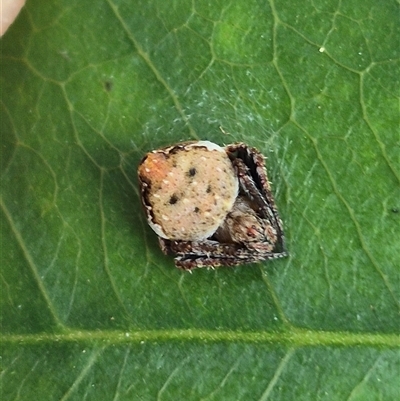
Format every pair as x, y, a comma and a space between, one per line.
295, 337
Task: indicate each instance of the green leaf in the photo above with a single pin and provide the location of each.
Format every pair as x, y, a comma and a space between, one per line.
90, 307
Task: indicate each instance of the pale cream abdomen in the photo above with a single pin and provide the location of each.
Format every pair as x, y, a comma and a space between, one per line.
190, 190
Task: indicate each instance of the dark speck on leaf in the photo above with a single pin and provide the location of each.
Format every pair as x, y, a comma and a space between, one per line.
108, 85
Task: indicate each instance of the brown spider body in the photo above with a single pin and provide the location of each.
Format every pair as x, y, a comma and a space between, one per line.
211, 206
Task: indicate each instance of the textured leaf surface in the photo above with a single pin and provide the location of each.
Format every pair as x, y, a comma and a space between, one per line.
91, 309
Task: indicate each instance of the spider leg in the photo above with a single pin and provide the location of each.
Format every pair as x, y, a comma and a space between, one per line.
186, 263
208, 253
206, 248
254, 183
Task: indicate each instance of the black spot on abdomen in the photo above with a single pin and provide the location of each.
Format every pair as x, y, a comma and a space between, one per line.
173, 199
192, 172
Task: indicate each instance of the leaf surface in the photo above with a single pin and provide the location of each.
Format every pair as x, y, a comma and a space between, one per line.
90, 307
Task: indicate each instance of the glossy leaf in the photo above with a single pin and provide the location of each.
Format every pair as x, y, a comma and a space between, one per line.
90, 307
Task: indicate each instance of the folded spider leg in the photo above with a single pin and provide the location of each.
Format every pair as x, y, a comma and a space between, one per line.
267, 207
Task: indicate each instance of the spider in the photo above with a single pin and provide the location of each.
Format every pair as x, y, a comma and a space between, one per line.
211, 206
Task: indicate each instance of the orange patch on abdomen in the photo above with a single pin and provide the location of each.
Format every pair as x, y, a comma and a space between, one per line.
155, 168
